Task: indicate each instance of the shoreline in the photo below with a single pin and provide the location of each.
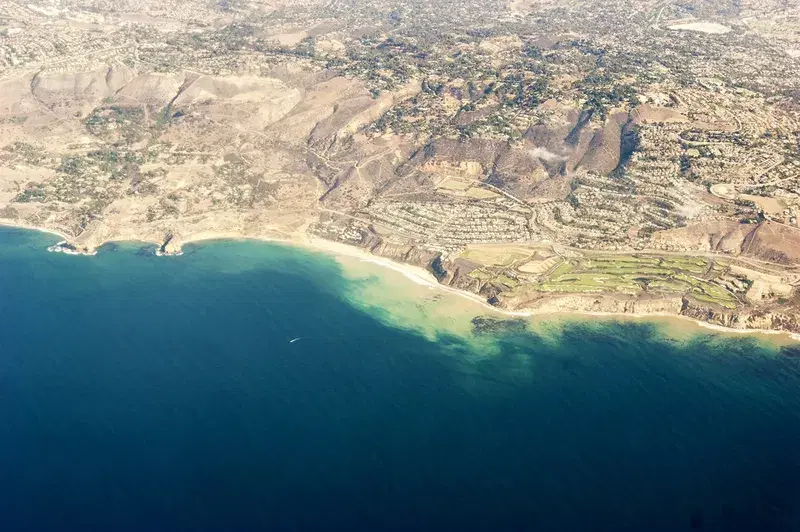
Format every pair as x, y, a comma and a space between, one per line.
62, 236
423, 277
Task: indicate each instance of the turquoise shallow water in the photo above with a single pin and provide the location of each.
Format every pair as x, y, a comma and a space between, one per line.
146, 393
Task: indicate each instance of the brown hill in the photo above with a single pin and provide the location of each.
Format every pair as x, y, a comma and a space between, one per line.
768, 241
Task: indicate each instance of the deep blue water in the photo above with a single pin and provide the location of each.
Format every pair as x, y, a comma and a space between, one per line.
144, 393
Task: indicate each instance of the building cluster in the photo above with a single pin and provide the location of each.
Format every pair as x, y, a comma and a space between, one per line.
451, 225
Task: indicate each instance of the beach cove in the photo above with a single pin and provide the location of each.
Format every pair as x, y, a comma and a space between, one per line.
349, 256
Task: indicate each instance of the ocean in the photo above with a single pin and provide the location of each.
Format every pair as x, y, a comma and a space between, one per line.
255, 386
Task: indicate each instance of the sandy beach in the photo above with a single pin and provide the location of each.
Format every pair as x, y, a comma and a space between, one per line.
422, 277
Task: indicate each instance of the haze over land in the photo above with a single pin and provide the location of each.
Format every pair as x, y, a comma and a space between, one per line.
599, 156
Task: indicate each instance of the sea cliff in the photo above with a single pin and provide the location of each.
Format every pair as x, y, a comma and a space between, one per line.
435, 268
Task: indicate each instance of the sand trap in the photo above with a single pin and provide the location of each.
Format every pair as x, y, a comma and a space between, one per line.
702, 27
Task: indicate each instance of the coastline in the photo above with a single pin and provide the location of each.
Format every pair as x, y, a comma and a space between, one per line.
423, 277
59, 234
